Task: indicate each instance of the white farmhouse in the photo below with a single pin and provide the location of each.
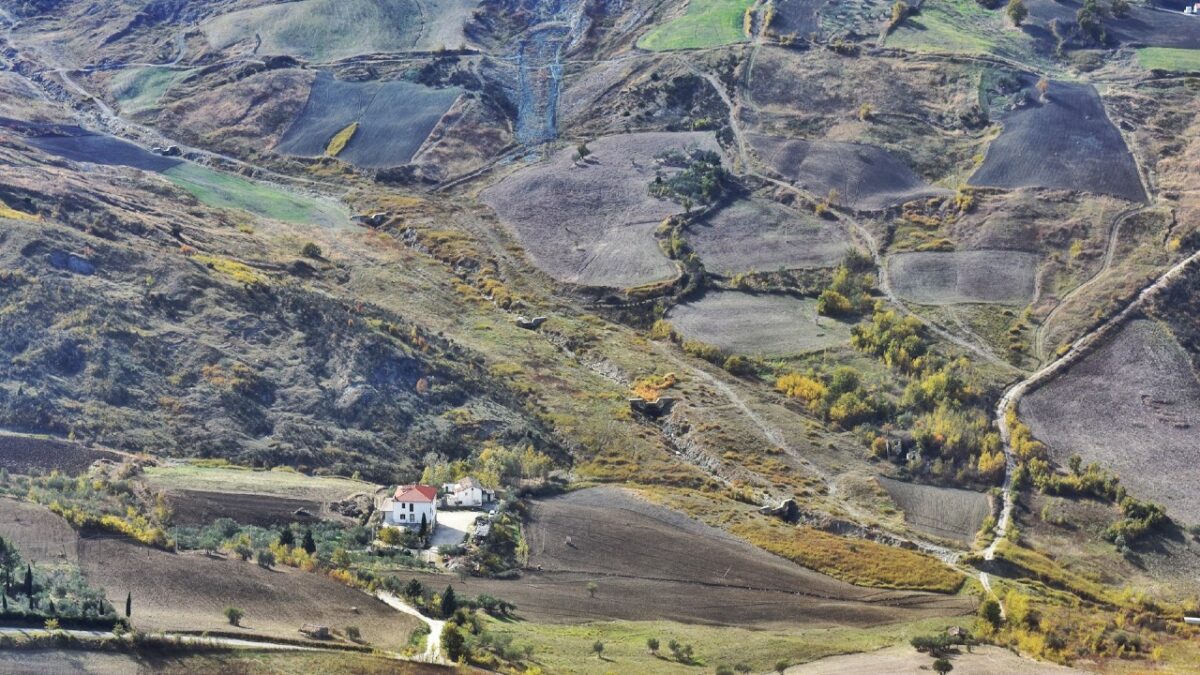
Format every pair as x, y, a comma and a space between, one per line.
411, 506
467, 492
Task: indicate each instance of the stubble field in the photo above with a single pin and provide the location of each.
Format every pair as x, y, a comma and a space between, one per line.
1133, 405
758, 324
943, 512
763, 236
860, 177
942, 278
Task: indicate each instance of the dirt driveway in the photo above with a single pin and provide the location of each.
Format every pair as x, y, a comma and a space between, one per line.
451, 528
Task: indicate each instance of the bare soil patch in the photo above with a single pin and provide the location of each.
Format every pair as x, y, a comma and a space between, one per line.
40, 535
97, 149
1133, 405
943, 512
760, 235
1066, 141
758, 324
797, 17
190, 591
1160, 25
593, 223
20, 454
982, 660
199, 507
653, 563
394, 119
865, 177
944, 278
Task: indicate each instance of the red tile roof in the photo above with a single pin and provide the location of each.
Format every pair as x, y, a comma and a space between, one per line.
416, 493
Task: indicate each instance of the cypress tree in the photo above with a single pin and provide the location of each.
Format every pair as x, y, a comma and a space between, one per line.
449, 602
29, 582
286, 538
5, 599
310, 546
128, 604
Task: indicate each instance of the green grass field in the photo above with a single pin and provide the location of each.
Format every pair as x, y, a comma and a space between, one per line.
962, 27
226, 191
138, 89
707, 23
241, 479
1163, 58
568, 648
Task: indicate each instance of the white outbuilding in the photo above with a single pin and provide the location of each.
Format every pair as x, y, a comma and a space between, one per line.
467, 492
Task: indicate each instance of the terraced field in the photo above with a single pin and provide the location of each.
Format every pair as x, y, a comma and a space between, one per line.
1065, 141
949, 513
1133, 405
764, 236
394, 119
328, 30
593, 222
864, 177
758, 324
944, 278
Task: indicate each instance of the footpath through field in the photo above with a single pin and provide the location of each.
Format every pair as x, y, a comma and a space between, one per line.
433, 645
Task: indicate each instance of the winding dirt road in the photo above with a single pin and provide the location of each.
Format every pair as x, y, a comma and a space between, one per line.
1081, 347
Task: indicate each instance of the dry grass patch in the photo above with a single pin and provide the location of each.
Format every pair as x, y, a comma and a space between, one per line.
239, 272
858, 561
6, 212
340, 139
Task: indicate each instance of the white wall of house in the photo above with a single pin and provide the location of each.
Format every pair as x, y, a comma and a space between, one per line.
465, 497
409, 514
